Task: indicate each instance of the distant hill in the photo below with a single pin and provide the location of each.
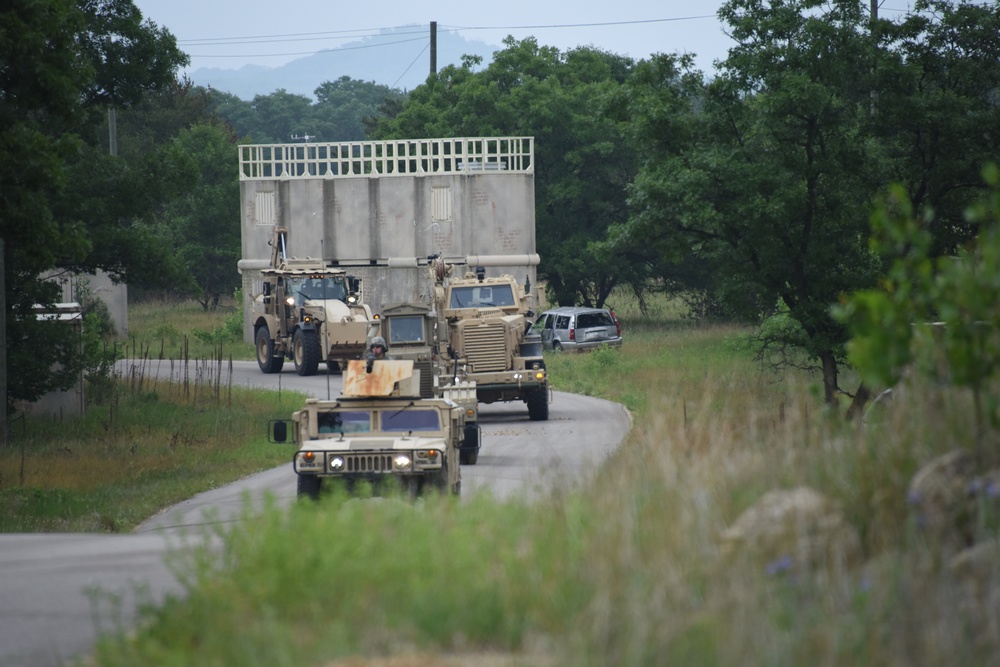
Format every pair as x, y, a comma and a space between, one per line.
393, 58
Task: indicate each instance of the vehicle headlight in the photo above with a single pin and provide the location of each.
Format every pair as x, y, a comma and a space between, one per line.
402, 461
337, 463
290, 301
540, 375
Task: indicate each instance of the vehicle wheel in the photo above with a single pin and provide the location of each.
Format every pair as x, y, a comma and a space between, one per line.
305, 352
538, 404
308, 487
265, 352
557, 346
469, 453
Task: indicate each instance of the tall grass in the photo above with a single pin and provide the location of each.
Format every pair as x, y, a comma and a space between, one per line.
170, 329
629, 570
150, 445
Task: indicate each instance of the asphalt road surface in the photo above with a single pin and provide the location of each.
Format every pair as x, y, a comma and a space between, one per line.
59, 592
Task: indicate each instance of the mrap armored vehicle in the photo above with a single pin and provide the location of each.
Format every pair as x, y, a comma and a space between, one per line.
413, 331
488, 321
308, 312
378, 430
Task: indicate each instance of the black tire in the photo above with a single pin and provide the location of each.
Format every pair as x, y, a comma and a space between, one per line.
308, 486
266, 360
538, 404
305, 352
469, 453
413, 487
557, 346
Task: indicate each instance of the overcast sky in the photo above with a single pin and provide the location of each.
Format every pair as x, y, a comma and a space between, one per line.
215, 32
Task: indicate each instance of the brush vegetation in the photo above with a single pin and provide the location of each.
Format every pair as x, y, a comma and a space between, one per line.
628, 570
143, 445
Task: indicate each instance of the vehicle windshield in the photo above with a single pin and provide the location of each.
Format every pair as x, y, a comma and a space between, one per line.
317, 288
479, 296
410, 419
345, 421
406, 329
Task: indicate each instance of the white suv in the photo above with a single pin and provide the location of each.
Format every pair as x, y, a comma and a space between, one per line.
576, 328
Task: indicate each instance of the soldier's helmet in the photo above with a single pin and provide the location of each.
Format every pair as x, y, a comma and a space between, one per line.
379, 341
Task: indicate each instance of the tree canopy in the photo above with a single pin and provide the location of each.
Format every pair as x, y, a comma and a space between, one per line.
768, 172
570, 103
62, 64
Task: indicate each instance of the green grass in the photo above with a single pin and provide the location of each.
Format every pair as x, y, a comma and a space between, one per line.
152, 445
629, 570
166, 329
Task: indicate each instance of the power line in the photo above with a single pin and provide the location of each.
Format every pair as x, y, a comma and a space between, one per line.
306, 53
582, 25
427, 46
406, 30
299, 37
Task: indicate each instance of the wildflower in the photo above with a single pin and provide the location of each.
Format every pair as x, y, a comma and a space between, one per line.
779, 566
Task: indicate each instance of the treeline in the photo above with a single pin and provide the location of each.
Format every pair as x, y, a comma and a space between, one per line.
747, 190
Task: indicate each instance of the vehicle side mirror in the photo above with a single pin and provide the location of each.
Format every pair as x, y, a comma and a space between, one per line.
267, 289
278, 430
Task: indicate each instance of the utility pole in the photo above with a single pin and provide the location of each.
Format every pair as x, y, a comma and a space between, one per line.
434, 47
3, 349
873, 23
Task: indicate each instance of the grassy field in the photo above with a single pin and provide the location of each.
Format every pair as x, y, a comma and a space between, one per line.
148, 445
630, 570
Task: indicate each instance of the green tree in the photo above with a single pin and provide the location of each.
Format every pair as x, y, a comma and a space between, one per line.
343, 105
206, 219
62, 63
570, 103
959, 294
938, 74
279, 117
769, 185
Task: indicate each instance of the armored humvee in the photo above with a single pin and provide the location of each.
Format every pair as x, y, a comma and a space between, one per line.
379, 429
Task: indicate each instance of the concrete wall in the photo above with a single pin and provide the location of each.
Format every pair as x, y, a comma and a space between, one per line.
364, 223
100, 285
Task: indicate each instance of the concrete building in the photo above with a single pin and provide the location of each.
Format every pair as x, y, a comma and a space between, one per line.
380, 208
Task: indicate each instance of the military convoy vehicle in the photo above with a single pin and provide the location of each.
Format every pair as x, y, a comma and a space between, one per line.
412, 332
308, 312
380, 429
487, 323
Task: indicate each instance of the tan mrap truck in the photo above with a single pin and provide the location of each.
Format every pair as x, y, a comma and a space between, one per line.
378, 430
413, 331
489, 337
308, 312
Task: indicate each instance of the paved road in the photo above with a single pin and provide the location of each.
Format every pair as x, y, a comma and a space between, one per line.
49, 611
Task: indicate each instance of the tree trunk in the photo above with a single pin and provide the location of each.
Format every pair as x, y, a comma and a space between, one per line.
829, 377
861, 397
